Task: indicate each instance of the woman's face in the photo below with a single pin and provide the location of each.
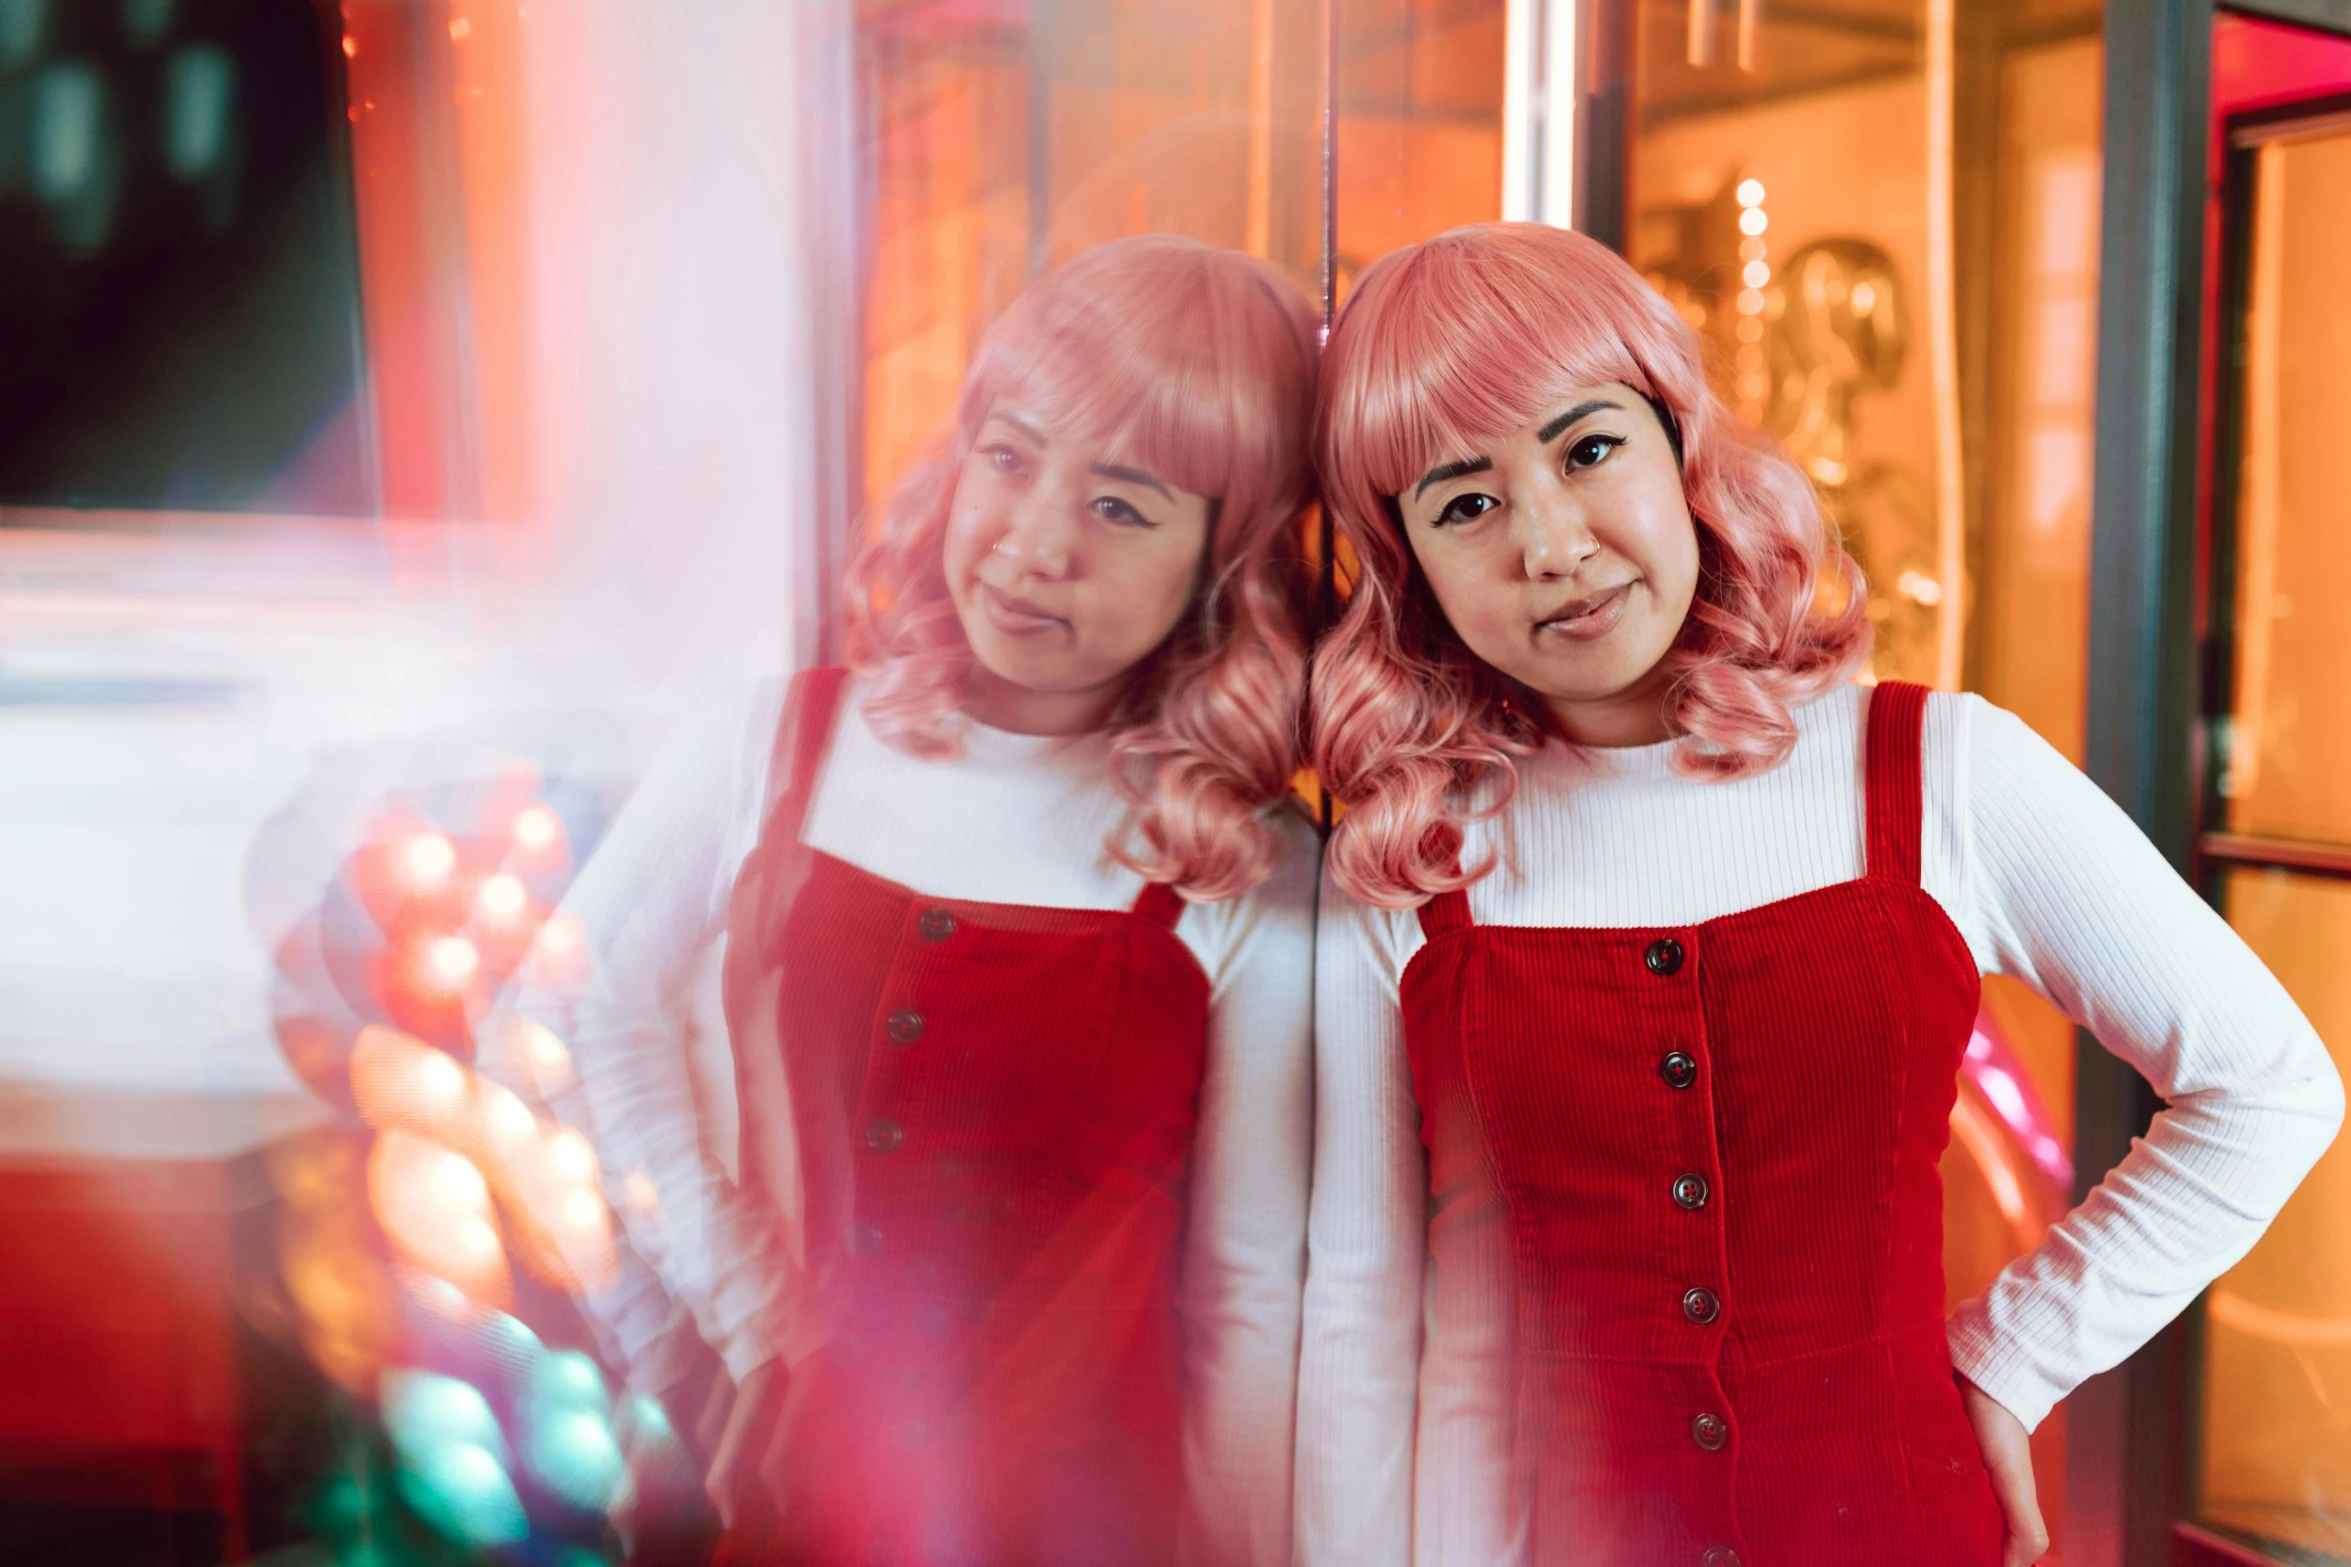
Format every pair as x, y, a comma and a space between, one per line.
1069, 563
1564, 555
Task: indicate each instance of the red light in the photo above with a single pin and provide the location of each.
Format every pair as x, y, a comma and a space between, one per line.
450, 962
501, 899
427, 861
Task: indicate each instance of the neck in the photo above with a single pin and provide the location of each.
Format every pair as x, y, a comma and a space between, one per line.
1024, 710
1640, 714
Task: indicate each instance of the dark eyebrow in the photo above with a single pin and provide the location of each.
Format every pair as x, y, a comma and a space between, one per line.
1550, 432
1451, 470
1111, 470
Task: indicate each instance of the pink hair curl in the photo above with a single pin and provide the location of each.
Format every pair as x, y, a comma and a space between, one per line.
1199, 363
1470, 335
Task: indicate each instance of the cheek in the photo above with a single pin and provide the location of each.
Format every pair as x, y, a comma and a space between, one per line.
970, 527
1149, 583
1460, 579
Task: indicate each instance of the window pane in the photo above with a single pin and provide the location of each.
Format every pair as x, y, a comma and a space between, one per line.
2277, 1369
1008, 137
2289, 772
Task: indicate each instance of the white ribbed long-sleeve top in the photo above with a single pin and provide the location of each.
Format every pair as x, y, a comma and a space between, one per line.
1400, 1454
1016, 819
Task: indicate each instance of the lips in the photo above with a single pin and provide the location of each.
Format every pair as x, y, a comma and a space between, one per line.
1589, 618
1017, 616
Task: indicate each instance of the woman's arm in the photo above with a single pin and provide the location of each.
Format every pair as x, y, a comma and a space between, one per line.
1360, 1352
1247, 1255
651, 903
2064, 893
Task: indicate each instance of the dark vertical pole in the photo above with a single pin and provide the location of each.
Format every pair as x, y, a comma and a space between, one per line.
1326, 575
1604, 142
2126, 1437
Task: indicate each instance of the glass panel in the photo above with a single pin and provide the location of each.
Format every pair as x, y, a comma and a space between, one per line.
2277, 1372
2291, 753
1010, 137
1420, 123
1882, 217
2275, 1460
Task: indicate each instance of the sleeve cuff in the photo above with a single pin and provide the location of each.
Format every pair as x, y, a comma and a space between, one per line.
1998, 1366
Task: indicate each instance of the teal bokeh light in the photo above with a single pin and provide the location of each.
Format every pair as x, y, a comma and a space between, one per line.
573, 1453
424, 1411
462, 1491
199, 88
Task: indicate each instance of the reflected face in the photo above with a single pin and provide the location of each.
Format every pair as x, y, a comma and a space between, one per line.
1564, 555
1069, 563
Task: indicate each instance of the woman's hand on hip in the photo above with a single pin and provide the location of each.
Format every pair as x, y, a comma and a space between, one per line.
2008, 1458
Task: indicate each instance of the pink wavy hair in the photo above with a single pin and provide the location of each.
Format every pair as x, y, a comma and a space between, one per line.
1199, 364
1470, 335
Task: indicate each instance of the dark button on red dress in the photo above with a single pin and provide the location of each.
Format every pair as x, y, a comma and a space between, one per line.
1746, 1365
993, 1107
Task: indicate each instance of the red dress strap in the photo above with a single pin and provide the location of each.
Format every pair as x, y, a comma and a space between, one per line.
1159, 903
1446, 912
1894, 729
810, 705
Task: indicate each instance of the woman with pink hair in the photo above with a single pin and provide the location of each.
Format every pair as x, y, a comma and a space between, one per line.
1017, 972
1650, 948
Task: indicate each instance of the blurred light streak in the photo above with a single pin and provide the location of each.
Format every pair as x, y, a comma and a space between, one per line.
435, 1206
2000, 1077
2232, 1310
1980, 1136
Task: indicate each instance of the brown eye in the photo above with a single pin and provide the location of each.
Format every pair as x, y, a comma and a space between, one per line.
1465, 508
1111, 509
1004, 460
1591, 451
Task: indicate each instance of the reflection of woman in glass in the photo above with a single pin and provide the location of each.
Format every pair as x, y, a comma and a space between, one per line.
1017, 972
1651, 957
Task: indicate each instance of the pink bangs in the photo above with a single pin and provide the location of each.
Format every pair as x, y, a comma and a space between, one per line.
1468, 336
1198, 364
1472, 343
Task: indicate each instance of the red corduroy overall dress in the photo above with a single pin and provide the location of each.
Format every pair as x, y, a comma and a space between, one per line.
993, 1107
1719, 1146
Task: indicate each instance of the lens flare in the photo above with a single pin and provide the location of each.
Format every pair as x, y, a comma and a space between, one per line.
427, 862
451, 962
501, 899
434, 1204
